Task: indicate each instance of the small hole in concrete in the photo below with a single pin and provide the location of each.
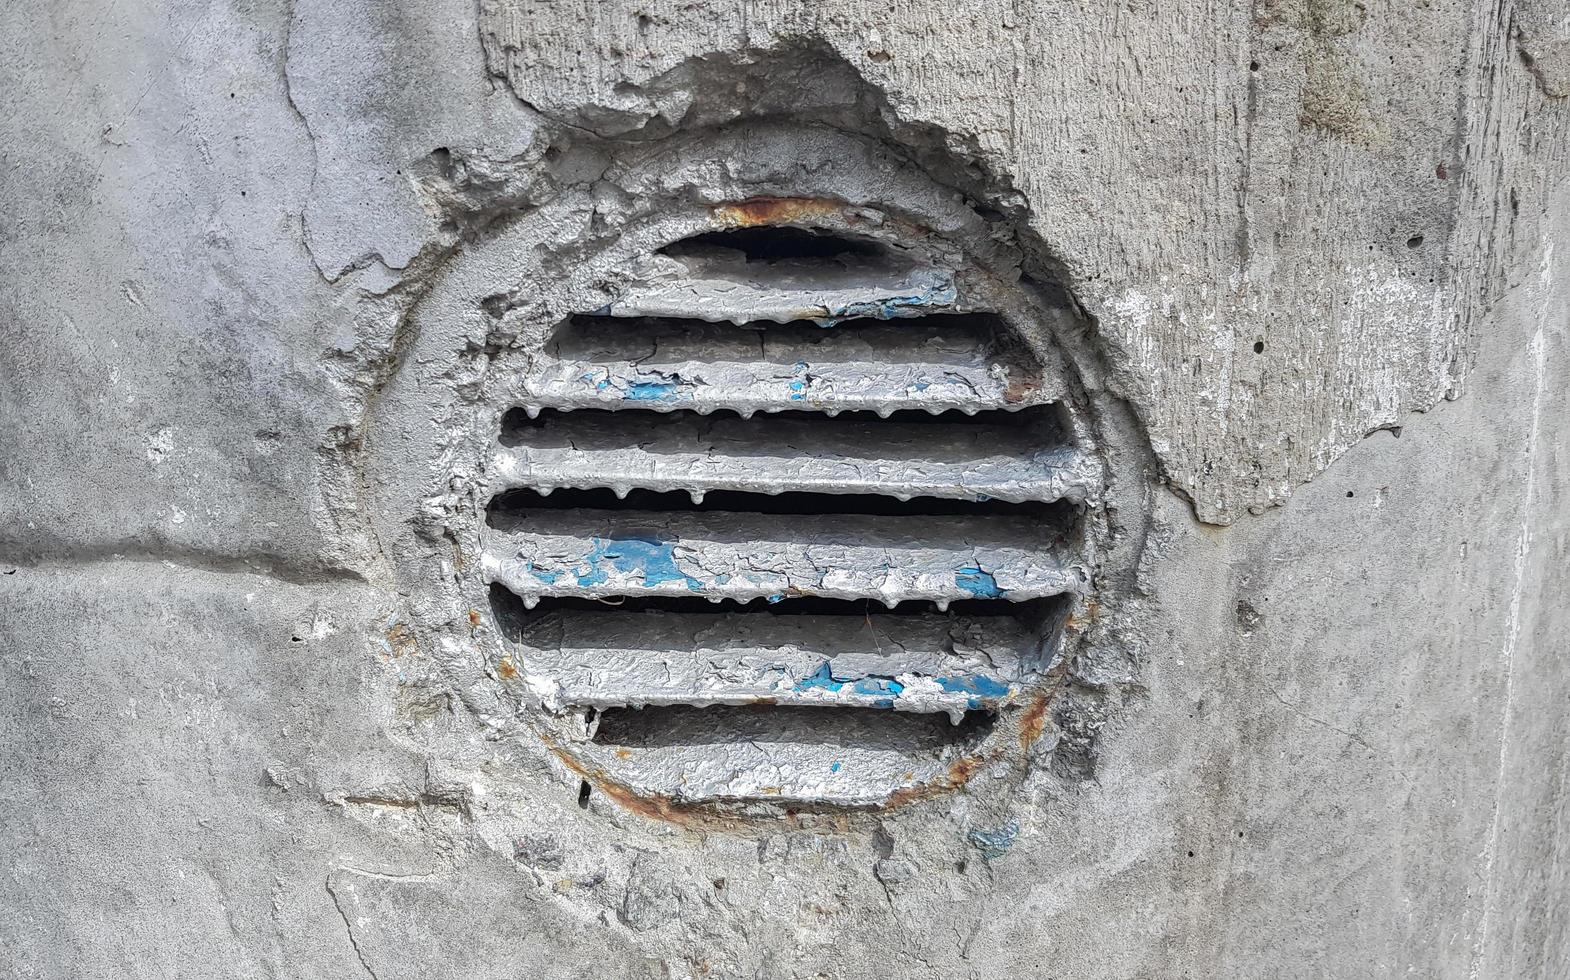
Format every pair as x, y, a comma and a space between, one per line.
584, 789
1253, 66
512, 508
776, 244
1414, 241
685, 725
1349, 493
1259, 346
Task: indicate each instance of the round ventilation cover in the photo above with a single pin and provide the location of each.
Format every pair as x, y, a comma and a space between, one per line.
748, 490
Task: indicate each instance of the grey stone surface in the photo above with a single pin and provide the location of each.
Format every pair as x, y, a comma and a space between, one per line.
1334, 746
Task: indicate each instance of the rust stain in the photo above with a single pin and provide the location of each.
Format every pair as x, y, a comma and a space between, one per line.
958, 774
1020, 387
1033, 721
1074, 623
505, 670
400, 640
653, 806
474, 617
693, 816
777, 211
703, 817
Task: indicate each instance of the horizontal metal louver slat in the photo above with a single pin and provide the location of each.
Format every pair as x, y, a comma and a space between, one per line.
780, 300
749, 556
777, 758
935, 364
927, 663
1001, 461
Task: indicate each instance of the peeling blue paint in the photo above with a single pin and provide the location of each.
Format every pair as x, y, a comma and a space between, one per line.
655, 387
546, 575
776, 597
884, 688
834, 767
798, 387
993, 844
977, 582
891, 307
978, 685
877, 685
594, 576
653, 560
823, 678
651, 391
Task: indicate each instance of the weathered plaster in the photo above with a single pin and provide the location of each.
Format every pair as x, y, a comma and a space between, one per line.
1334, 744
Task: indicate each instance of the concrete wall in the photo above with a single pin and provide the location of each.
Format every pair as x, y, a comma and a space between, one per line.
1343, 750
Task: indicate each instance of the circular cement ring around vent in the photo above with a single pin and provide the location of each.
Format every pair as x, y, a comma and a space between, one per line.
764, 501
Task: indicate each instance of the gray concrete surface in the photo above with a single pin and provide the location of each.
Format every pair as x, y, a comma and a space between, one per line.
1333, 742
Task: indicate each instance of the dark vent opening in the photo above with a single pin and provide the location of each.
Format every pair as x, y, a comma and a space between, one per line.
677, 726
597, 337
776, 244
1045, 423
511, 509
655, 464
513, 617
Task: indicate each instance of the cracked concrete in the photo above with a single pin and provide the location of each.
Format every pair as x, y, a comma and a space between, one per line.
1321, 252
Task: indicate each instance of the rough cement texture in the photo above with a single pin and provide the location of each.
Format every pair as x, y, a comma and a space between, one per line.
1334, 743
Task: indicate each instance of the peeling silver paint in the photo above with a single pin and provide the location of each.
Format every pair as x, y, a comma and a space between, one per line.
927, 663
932, 365
1005, 460
612, 631
745, 556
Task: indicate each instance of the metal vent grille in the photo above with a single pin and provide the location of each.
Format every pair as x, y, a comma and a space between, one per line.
788, 521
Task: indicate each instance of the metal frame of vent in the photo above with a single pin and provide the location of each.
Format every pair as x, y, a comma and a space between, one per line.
775, 495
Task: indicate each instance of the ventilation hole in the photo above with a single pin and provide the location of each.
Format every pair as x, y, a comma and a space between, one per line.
852, 536
685, 726
776, 244
600, 337
1040, 423
514, 508
514, 620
